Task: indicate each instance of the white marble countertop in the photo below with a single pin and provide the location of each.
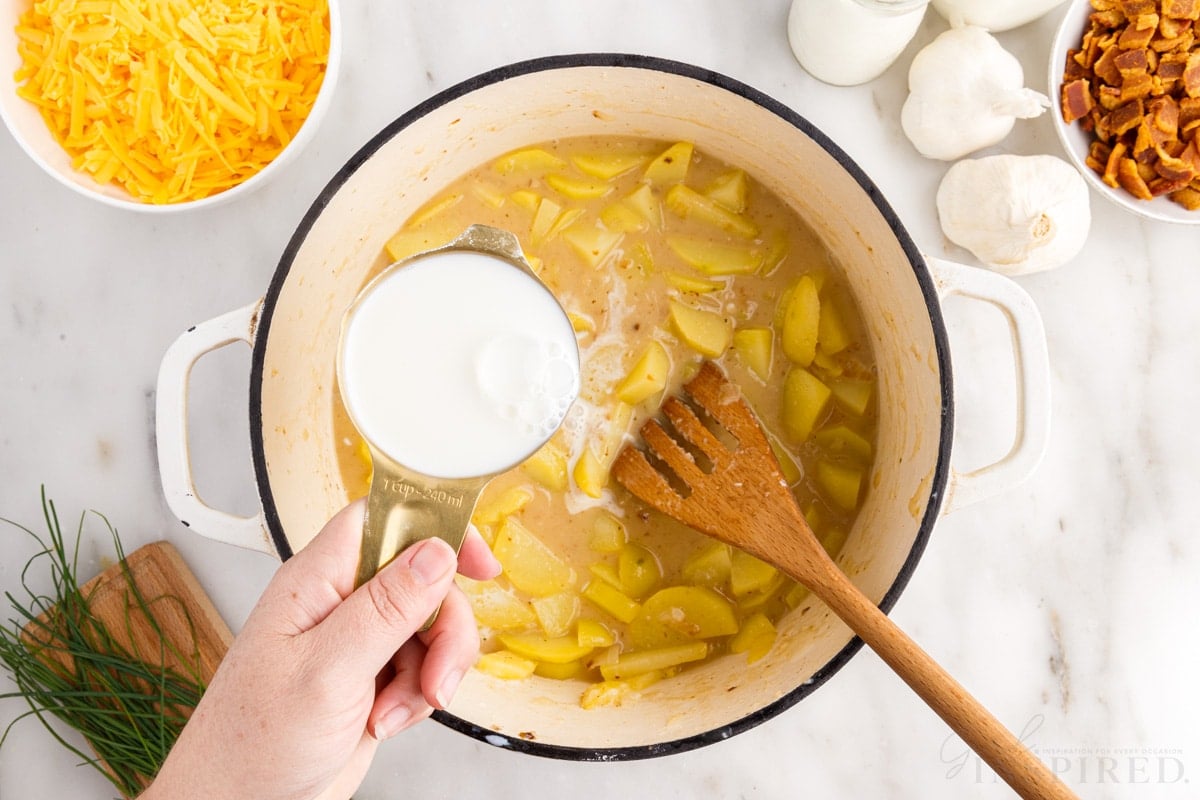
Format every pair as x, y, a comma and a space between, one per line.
1067, 605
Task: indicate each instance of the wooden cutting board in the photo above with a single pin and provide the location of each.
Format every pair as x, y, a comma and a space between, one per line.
185, 613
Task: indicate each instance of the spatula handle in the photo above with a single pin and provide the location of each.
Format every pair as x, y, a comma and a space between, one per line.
982, 732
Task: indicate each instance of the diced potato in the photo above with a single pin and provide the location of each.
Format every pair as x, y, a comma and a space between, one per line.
705, 332
622, 218
408, 243
510, 501
496, 607
760, 598
841, 440
505, 665
687, 203
687, 283
715, 258
840, 483
754, 347
643, 201
755, 638
833, 336
641, 257
834, 540
798, 335
619, 418
853, 395
777, 251
671, 166
730, 190
749, 574
708, 566
533, 159
609, 599
528, 563
788, 465
592, 243
430, 211
581, 323
489, 195
648, 376
591, 633
544, 219
607, 573
551, 650
829, 366
560, 672
556, 613
548, 466
591, 474
680, 614
805, 399
564, 221
608, 534
607, 166
576, 188
638, 569
526, 199
631, 664
796, 595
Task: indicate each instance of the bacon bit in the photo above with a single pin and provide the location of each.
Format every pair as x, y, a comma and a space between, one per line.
1181, 9
1189, 111
1136, 86
1137, 8
1131, 181
1183, 168
1139, 32
1191, 76
1112, 168
1128, 61
1124, 118
1171, 28
1076, 100
1188, 198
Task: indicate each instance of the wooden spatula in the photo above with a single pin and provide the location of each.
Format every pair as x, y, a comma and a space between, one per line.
742, 498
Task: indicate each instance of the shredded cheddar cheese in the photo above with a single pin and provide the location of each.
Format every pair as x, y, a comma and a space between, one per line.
173, 100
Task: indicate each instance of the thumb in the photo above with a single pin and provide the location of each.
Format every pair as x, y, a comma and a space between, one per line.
370, 625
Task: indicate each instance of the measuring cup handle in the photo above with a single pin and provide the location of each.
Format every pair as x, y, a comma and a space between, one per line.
1031, 364
171, 431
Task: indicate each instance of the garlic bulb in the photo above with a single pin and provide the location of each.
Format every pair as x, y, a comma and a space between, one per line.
1017, 214
965, 93
993, 15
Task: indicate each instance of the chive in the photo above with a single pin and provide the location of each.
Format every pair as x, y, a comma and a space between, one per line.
67, 665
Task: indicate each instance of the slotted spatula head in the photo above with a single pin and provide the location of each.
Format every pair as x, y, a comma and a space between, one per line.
740, 495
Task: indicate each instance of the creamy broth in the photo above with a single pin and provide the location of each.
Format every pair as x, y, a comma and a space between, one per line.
633, 237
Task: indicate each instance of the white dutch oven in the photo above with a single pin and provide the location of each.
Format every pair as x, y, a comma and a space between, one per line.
294, 333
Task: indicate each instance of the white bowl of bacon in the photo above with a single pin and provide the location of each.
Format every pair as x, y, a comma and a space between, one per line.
159, 108
1125, 75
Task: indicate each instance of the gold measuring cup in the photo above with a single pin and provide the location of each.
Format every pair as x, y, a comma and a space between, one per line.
403, 505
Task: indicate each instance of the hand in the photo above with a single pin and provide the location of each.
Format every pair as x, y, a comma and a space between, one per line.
322, 672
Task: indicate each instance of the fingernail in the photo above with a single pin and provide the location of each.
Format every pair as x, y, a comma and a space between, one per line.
393, 722
445, 692
431, 560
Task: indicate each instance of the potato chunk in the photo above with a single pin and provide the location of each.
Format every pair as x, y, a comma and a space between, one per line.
556, 613
853, 395
749, 574
576, 188
801, 323
608, 534
648, 376
715, 258
531, 159
551, 650
638, 570
730, 190
607, 166
608, 598
590, 473
681, 614
671, 166
529, 564
496, 607
755, 638
704, 331
687, 203
592, 243
633, 664
805, 399
841, 483
754, 347
505, 665
548, 466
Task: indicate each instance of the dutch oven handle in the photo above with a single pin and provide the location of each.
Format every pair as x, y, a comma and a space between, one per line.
171, 431
1032, 367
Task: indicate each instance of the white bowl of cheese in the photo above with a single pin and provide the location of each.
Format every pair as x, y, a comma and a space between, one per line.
151, 113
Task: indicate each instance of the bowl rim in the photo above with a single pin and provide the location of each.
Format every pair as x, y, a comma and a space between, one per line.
304, 134
1068, 33
941, 473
